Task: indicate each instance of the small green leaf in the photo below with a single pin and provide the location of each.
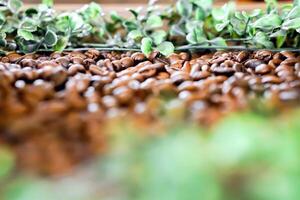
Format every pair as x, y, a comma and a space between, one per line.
294, 13
48, 3
91, 11
50, 38
115, 16
218, 42
61, 44
14, 5
268, 22
27, 35
262, 39
146, 46
135, 34
130, 25
199, 14
28, 25
280, 40
291, 24
184, 8
3, 39
166, 48
158, 36
205, 4
154, 21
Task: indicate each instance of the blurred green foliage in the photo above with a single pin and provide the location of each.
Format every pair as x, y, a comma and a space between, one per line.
244, 156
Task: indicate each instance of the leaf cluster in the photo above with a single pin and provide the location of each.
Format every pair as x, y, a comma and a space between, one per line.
186, 23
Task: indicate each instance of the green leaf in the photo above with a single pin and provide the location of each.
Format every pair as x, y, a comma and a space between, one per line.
7, 162
3, 39
115, 16
291, 24
28, 25
294, 13
199, 14
27, 35
221, 26
262, 39
218, 42
268, 22
280, 40
204, 4
154, 21
158, 36
48, 3
135, 34
184, 8
50, 38
271, 5
14, 5
146, 46
91, 11
61, 44
130, 25
166, 48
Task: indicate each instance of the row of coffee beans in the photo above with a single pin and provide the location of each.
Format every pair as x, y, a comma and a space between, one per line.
53, 107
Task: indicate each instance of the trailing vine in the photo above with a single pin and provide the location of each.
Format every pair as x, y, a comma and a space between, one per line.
188, 24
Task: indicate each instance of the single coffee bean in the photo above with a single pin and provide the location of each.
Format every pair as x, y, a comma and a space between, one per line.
138, 57
127, 62
263, 69
198, 75
242, 56
270, 79
253, 63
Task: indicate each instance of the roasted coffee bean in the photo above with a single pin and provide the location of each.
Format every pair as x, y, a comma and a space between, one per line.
238, 67
123, 94
263, 69
243, 55
27, 62
223, 71
63, 61
127, 62
263, 55
253, 63
198, 75
77, 60
73, 69
288, 54
13, 57
270, 79
179, 77
138, 57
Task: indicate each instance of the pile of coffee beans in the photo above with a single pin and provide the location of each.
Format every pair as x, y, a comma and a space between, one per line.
53, 107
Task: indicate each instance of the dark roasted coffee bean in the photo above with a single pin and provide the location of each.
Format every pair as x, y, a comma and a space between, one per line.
198, 75
75, 68
179, 77
288, 54
243, 55
253, 63
139, 57
223, 71
27, 62
238, 67
263, 69
263, 55
127, 62
270, 79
